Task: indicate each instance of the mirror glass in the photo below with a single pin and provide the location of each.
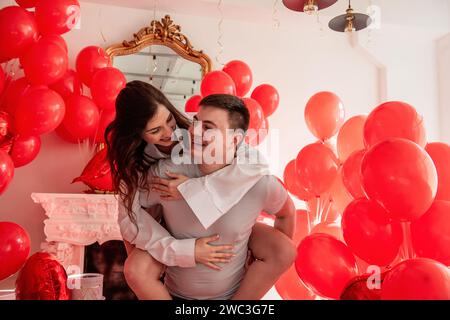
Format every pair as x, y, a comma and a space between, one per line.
176, 77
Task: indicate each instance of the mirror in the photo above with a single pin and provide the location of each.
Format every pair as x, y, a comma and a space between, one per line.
162, 56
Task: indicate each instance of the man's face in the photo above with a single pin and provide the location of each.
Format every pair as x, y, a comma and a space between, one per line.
213, 141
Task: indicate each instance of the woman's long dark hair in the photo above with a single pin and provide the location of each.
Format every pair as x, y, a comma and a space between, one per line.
136, 104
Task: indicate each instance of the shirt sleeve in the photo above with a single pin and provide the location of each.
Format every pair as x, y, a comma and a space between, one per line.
213, 195
147, 234
276, 196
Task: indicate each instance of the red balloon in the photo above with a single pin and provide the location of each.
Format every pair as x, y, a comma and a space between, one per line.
358, 289
6, 171
339, 194
82, 117
351, 137
256, 137
40, 111
325, 264
5, 123
70, 84
56, 39
42, 278
106, 85
24, 149
216, 82
351, 174
394, 120
45, 62
26, 3
268, 97
316, 167
106, 117
302, 226
57, 16
193, 104
89, 61
256, 113
324, 115
2, 79
62, 132
369, 232
18, 29
430, 234
97, 173
241, 74
290, 287
417, 279
14, 247
292, 185
401, 176
440, 154
13, 94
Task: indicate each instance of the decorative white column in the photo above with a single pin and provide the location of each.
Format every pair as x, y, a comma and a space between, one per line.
75, 221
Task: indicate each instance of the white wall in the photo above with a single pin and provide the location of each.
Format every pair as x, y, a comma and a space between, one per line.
297, 58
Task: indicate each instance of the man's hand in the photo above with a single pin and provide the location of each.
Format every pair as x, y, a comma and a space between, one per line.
168, 188
209, 255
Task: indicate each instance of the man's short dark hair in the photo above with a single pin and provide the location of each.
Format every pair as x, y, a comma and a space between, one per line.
238, 115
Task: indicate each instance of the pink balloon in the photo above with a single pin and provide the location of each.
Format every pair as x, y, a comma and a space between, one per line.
268, 98
241, 74
40, 111
24, 150
18, 30
216, 82
324, 115
351, 137
351, 174
339, 194
106, 85
394, 119
89, 61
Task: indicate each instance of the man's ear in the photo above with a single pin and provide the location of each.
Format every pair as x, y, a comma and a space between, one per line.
238, 137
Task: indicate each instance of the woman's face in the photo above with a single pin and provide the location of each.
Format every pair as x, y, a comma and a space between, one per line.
159, 129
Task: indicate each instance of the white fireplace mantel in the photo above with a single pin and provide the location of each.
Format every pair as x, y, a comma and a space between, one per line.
75, 221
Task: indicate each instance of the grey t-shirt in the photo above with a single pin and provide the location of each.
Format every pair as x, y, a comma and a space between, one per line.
201, 282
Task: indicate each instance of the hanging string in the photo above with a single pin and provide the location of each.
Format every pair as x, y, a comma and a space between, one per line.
219, 39
369, 31
100, 24
320, 24
275, 18
155, 5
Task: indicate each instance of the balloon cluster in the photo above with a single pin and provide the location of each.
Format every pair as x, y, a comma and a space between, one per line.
381, 198
236, 78
50, 95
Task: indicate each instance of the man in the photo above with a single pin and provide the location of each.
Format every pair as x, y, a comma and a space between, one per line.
217, 133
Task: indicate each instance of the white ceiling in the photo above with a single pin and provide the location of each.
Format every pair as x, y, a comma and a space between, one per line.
421, 13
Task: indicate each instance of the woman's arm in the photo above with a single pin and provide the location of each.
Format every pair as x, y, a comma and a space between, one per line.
150, 236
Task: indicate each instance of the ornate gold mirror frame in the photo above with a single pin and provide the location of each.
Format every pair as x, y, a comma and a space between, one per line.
164, 33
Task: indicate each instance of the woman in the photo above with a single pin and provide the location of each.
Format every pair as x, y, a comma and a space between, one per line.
140, 135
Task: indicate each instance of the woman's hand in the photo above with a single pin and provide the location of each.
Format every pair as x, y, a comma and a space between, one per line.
168, 188
209, 255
